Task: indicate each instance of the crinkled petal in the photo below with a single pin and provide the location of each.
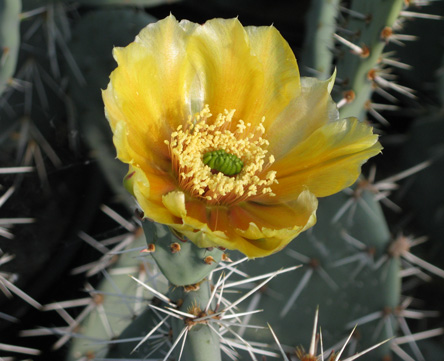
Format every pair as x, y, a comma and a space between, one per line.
269, 228
257, 230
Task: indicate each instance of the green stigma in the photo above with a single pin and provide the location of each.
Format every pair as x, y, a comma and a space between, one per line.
223, 162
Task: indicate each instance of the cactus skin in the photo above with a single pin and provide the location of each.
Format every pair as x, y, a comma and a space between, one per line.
182, 267
320, 24
353, 69
202, 343
9, 39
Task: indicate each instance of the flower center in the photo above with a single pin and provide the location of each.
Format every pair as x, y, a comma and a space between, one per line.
223, 162
219, 161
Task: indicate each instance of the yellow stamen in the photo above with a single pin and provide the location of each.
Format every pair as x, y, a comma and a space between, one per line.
189, 145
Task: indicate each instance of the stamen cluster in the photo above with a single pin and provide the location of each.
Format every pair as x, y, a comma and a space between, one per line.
189, 145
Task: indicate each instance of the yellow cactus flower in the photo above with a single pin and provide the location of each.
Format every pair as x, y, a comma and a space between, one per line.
225, 142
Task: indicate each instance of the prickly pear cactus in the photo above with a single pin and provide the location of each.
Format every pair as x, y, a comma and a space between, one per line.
161, 297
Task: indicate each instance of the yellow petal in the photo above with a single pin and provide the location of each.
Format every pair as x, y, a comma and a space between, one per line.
327, 161
252, 70
312, 109
148, 189
148, 94
281, 72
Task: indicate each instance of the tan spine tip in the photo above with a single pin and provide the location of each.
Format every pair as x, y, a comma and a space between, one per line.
225, 258
209, 260
151, 248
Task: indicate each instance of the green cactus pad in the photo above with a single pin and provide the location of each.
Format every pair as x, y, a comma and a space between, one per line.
186, 266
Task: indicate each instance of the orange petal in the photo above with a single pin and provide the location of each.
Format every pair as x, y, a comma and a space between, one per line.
148, 189
248, 228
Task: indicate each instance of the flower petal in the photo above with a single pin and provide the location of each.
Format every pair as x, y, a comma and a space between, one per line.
312, 109
252, 70
269, 228
256, 230
149, 92
326, 162
281, 72
232, 77
148, 189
